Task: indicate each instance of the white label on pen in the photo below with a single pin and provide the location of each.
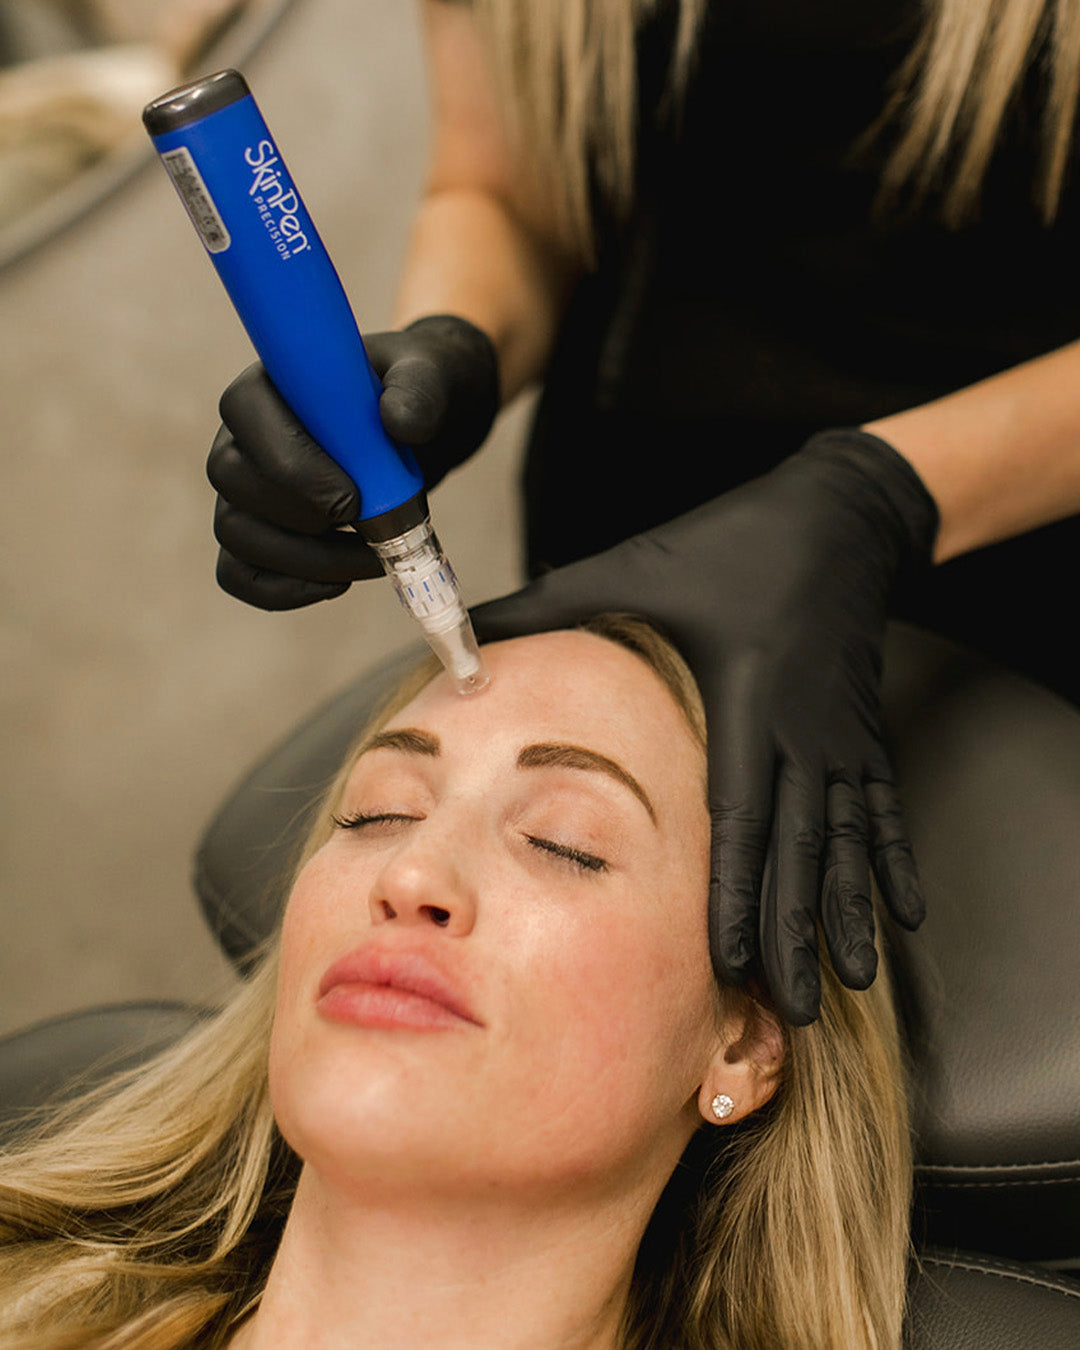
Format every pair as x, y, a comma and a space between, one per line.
196, 197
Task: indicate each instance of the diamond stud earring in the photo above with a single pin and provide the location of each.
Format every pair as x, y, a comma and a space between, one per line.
722, 1106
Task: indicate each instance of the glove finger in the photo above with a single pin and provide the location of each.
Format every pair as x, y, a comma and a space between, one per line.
790, 896
279, 449
336, 556
414, 400
560, 599
893, 861
383, 349
847, 914
741, 774
637, 576
441, 378
270, 590
236, 479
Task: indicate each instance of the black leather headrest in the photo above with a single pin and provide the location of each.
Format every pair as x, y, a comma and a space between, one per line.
63, 1056
989, 768
245, 859
961, 1301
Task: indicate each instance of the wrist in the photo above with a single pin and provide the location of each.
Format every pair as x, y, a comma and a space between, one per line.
907, 508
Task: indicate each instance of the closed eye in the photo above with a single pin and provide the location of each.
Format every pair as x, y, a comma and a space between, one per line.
576, 857
358, 819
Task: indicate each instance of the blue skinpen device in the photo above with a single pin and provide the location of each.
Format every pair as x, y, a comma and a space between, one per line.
241, 199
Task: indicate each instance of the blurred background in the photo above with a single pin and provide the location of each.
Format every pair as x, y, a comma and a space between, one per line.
134, 692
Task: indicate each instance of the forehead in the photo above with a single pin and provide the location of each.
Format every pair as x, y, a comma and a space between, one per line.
567, 686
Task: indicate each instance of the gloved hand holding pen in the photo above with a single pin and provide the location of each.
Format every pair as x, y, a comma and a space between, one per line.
282, 500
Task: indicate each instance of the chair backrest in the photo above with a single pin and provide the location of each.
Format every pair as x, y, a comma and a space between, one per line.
989, 767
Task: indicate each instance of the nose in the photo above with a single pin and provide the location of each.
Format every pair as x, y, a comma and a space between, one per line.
425, 882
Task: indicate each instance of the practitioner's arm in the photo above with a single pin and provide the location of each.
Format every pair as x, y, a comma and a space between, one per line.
999, 457
484, 244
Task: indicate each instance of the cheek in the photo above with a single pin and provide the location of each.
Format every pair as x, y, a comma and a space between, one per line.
299, 936
326, 906
317, 914
626, 1017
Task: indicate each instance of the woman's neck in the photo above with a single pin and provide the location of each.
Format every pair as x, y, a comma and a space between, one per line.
353, 1273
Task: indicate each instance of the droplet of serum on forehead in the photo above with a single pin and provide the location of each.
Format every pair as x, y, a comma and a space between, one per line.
473, 683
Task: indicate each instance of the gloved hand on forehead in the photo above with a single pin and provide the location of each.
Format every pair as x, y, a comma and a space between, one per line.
776, 594
282, 500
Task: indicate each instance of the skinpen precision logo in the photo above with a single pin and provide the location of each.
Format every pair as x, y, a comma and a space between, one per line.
276, 199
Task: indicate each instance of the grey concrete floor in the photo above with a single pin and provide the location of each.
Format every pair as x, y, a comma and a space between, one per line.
134, 693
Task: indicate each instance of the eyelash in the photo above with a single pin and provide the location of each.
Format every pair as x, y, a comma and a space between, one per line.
359, 819
576, 857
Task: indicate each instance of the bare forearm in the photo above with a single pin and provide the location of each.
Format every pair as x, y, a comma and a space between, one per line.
469, 255
484, 243
999, 457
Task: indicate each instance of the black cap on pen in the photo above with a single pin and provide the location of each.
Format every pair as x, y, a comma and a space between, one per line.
192, 102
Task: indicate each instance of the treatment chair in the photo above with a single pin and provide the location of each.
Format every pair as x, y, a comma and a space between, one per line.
989, 768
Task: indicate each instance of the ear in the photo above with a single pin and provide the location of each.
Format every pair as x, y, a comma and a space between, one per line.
745, 1070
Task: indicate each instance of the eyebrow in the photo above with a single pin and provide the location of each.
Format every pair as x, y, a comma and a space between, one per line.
556, 755
543, 755
411, 740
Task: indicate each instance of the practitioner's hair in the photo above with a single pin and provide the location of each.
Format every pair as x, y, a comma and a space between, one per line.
146, 1215
566, 74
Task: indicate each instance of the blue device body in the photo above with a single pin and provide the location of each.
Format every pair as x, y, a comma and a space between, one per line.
288, 295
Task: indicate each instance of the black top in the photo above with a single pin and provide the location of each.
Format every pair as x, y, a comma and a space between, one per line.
192, 102
755, 297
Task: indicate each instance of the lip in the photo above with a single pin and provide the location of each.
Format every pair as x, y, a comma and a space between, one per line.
377, 987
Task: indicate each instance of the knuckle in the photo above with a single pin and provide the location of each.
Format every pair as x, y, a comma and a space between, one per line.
852, 901
846, 832
878, 772
221, 449
246, 385
807, 840
881, 793
735, 908
894, 851
799, 925
223, 514
848, 826
733, 816
232, 576
341, 507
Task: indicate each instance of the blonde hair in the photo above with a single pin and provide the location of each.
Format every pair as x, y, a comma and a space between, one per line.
954, 90
145, 1216
790, 1232
565, 71
566, 77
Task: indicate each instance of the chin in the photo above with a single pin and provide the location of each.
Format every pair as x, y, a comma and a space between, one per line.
369, 1117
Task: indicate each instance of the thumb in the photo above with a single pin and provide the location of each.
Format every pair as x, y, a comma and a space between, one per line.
561, 598
415, 391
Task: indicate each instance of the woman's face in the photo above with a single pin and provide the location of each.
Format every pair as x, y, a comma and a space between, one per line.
496, 971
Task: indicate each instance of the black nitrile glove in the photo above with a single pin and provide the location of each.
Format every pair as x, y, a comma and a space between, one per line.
282, 499
776, 595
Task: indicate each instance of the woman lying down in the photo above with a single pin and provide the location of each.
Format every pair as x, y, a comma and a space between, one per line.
483, 1091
